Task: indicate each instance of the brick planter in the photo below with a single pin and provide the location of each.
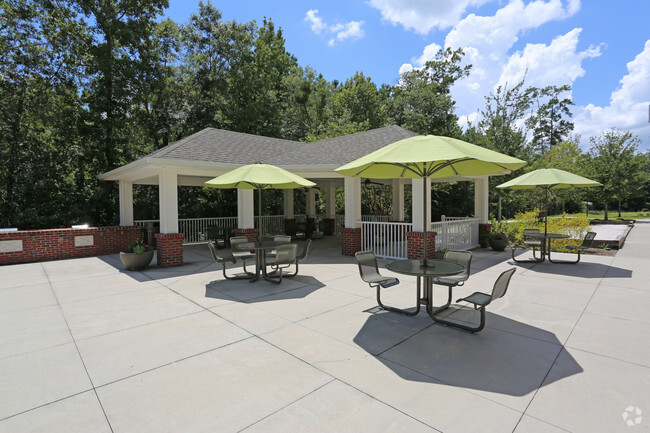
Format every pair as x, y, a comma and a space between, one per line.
350, 241
170, 249
415, 245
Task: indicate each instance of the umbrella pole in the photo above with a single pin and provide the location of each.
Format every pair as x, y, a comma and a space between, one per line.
424, 211
259, 213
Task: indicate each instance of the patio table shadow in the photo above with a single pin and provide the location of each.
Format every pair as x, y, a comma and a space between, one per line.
582, 269
262, 291
492, 360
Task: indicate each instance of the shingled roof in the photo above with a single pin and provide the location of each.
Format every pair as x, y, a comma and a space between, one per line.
228, 147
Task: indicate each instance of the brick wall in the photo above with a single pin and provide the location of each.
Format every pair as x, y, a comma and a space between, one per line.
169, 249
56, 244
350, 241
251, 234
483, 231
415, 245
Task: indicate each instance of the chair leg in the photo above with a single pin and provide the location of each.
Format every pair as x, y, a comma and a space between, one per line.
533, 260
564, 262
460, 325
399, 310
240, 277
442, 308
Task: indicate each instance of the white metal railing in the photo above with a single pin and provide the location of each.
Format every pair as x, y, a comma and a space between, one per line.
269, 224
386, 239
444, 218
375, 218
456, 234
196, 229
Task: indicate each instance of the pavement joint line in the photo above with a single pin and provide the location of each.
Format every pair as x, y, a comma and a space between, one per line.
92, 384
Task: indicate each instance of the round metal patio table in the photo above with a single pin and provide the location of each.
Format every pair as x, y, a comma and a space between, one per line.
260, 248
433, 269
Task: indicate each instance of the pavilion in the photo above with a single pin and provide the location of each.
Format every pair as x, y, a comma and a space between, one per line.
211, 152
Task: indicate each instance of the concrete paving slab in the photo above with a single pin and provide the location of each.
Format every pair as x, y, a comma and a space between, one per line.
56, 417
72, 269
528, 424
250, 317
99, 316
222, 390
25, 274
349, 411
26, 297
622, 339
604, 390
99, 286
621, 302
122, 354
37, 378
27, 331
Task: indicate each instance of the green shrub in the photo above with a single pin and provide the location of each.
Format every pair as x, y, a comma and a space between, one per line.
575, 227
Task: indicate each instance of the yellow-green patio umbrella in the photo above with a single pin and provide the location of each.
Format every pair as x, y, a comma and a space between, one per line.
430, 156
259, 176
547, 179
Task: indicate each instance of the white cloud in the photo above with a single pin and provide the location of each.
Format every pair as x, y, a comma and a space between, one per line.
557, 63
423, 15
628, 106
317, 24
341, 32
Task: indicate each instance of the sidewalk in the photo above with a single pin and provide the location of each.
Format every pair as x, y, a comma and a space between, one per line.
88, 347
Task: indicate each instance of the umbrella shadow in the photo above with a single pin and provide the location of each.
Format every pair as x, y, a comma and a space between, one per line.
262, 290
503, 361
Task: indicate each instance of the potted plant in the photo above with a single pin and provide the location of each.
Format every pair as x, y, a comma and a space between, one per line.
499, 241
138, 256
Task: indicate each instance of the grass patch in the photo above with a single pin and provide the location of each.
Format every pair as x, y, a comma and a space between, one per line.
612, 215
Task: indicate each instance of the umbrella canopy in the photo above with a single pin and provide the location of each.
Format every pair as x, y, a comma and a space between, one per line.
259, 176
430, 156
547, 179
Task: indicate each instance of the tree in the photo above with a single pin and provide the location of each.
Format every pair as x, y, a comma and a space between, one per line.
614, 162
422, 102
40, 113
549, 122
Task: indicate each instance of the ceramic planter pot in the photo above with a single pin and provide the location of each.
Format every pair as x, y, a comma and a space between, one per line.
498, 244
135, 261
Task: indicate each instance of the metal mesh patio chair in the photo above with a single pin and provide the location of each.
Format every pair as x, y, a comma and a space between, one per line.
285, 256
279, 238
529, 242
222, 258
461, 257
481, 300
586, 244
369, 272
240, 254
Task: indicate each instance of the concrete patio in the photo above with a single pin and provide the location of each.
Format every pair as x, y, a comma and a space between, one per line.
89, 347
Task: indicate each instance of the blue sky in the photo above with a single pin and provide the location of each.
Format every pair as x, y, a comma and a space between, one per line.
600, 47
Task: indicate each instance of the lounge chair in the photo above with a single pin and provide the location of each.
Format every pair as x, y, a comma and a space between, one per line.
481, 300
240, 254
370, 274
285, 256
586, 244
462, 257
223, 257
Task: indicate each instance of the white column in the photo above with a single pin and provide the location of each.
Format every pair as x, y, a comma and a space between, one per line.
126, 203
310, 202
245, 209
419, 223
330, 201
352, 187
481, 199
398, 200
168, 198
288, 204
